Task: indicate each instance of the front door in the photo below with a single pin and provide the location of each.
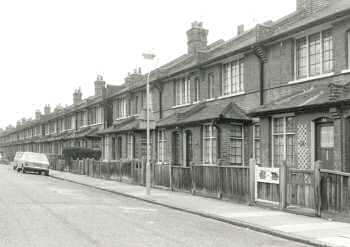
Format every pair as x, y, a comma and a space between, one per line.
325, 143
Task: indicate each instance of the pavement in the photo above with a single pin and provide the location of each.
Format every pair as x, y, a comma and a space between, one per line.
304, 229
41, 211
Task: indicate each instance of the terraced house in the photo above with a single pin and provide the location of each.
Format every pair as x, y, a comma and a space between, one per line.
50, 132
276, 95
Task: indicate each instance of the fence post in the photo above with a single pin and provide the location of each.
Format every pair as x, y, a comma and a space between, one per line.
193, 189
219, 191
318, 165
252, 164
283, 185
170, 176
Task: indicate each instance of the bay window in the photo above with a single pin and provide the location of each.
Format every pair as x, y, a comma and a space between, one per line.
314, 55
209, 144
283, 135
257, 143
162, 141
236, 142
233, 77
130, 146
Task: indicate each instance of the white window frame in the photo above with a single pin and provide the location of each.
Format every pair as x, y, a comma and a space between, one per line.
238, 138
284, 134
322, 73
210, 138
254, 142
130, 146
228, 80
162, 141
182, 92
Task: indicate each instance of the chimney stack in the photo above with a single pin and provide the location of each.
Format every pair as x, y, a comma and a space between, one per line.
312, 6
37, 114
196, 38
47, 109
77, 97
240, 29
100, 86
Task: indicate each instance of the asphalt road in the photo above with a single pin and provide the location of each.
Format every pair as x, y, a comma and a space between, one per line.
42, 211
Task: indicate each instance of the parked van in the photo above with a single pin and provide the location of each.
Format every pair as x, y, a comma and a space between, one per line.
33, 162
16, 159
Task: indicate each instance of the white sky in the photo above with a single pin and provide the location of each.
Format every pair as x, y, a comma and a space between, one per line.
49, 48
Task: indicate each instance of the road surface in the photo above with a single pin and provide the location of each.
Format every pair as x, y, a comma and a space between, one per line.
42, 211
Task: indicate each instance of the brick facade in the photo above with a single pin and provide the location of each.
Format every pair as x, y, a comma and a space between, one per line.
268, 73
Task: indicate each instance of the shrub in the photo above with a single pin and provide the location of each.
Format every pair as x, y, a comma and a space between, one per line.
80, 153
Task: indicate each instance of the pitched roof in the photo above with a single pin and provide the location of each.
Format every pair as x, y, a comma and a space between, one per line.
222, 109
315, 96
128, 124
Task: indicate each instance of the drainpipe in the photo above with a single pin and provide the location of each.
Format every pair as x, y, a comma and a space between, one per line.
262, 81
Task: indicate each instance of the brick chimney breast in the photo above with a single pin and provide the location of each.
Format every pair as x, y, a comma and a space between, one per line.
100, 86
197, 38
240, 29
37, 114
77, 97
47, 109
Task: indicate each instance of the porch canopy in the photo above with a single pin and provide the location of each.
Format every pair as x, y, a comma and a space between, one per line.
133, 123
205, 111
84, 132
312, 98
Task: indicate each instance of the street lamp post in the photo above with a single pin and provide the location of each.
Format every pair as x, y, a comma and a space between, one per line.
148, 166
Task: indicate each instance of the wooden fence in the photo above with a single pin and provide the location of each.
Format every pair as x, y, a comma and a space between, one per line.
335, 191
322, 190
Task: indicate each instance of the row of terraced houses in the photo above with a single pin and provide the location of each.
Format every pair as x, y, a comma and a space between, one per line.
277, 93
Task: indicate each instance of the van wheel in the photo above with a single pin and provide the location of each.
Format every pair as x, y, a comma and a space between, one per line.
46, 173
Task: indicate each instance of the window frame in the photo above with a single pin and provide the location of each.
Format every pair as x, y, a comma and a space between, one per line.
257, 140
233, 83
236, 138
321, 53
161, 147
284, 135
210, 138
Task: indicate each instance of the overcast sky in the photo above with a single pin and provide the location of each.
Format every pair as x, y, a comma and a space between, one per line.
49, 48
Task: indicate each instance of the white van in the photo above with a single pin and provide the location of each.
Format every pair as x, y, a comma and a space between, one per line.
33, 162
16, 159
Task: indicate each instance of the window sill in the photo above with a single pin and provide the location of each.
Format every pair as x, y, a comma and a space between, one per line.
196, 102
211, 99
231, 95
179, 106
345, 71
311, 78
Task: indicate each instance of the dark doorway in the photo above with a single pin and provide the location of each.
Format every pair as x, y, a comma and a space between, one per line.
324, 143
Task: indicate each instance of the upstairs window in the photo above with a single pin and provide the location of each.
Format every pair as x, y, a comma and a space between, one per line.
121, 107
182, 91
233, 77
211, 86
196, 90
314, 55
